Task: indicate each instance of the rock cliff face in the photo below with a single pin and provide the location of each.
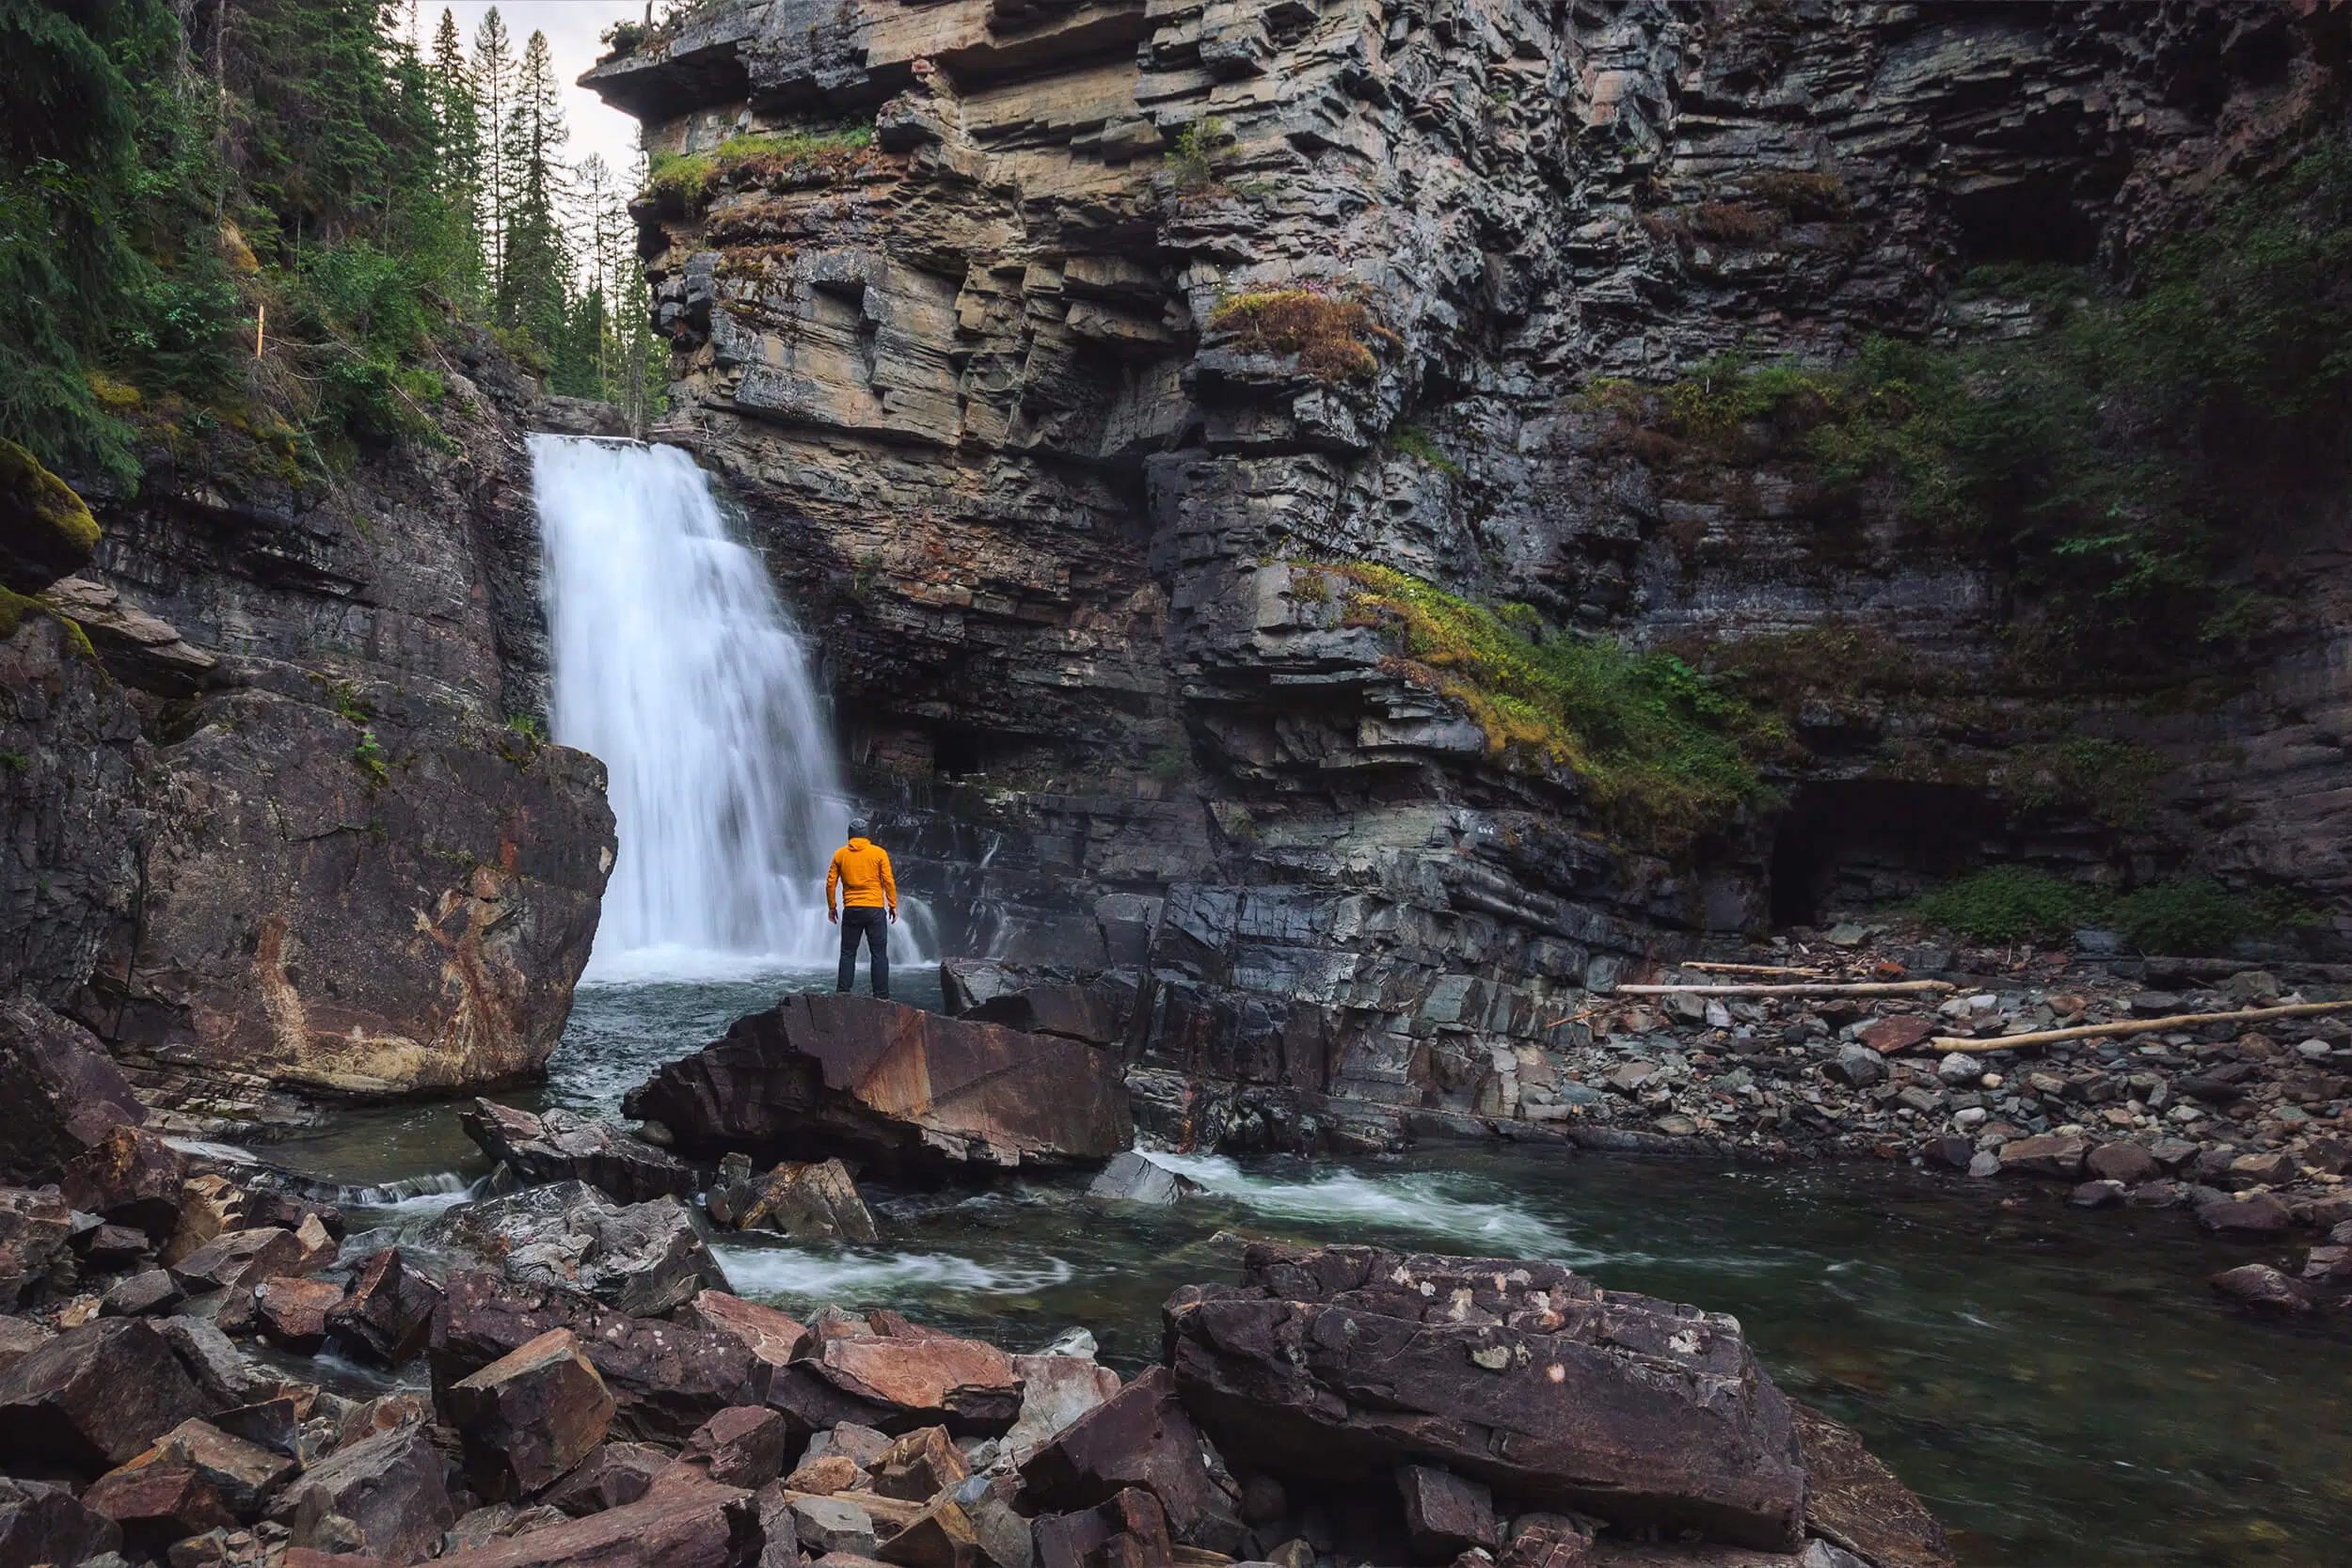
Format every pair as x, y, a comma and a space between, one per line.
988, 385
272, 833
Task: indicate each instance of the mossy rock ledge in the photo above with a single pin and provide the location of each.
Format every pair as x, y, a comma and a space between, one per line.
46, 532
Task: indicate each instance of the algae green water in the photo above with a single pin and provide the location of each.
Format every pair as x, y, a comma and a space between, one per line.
2057, 1386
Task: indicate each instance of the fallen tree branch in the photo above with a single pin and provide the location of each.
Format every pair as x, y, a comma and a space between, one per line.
1752, 968
1873, 988
1970, 1046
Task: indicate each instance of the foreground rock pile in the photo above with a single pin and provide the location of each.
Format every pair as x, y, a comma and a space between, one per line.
1347, 1405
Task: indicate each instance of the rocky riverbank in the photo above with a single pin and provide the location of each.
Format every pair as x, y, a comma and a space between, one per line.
565, 1378
2241, 1124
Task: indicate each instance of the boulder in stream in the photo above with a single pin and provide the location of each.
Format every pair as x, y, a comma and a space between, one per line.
644, 1258
807, 1200
64, 1093
893, 1087
1522, 1375
556, 1145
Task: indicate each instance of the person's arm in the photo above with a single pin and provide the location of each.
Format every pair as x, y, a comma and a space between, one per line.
890, 884
833, 874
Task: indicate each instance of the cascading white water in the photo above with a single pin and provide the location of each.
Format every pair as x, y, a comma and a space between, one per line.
676, 663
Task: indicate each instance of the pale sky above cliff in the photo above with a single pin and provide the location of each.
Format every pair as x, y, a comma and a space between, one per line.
571, 27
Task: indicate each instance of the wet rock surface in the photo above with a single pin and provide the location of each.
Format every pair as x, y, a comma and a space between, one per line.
894, 1086
641, 1258
1519, 1376
556, 1145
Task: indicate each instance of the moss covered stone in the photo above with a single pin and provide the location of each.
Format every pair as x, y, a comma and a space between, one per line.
45, 530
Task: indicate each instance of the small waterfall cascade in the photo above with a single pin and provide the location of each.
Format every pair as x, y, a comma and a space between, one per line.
677, 665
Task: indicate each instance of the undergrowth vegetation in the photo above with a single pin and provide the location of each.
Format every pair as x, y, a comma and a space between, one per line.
690, 177
1665, 753
1331, 333
2114, 462
2183, 915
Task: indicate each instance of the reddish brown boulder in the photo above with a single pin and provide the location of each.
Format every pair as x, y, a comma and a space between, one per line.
2264, 1288
666, 1379
1139, 1437
2122, 1162
42, 1523
942, 1536
616, 1475
292, 1311
529, 1415
1443, 1514
388, 1314
691, 1523
35, 1230
1850, 1497
918, 1466
918, 1376
892, 1087
774, 1336
2257, 1216
1890, 1036
63, 1092
94, 1397
130, 1177
556, 1145
1522, 1375
741, 1447
389, 1486
244, 1473
1128, 1528
2060, 1155
238, 1258
806, 1200
157, 1504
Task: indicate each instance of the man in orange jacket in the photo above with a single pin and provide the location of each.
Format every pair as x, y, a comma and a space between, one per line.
862, 870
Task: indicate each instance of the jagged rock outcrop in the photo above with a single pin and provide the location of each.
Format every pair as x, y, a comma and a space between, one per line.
270, 832
986, 384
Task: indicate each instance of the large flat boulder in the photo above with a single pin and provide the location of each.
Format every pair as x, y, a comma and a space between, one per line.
642, 1257
1343, 1361
894, 1087
63, 1092
353, 892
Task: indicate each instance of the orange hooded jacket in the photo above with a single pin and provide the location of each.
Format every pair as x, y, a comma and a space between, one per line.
860, 868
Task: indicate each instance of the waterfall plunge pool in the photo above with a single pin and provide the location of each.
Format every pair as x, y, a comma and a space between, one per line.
2056, 1385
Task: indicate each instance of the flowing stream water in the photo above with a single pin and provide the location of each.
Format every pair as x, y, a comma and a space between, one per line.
2057, 1386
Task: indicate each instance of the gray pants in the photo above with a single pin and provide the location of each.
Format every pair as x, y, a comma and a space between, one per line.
874, 925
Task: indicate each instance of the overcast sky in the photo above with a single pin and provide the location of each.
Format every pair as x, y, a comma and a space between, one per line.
571, 27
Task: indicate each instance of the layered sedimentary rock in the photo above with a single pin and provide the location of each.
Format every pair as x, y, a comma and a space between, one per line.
1518, 1375
978, 384
269, 829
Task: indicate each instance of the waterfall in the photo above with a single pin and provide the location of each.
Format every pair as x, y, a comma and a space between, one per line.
676, 665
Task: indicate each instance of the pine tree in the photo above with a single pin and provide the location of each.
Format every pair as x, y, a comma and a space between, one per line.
534, 277
494, 92
458, 153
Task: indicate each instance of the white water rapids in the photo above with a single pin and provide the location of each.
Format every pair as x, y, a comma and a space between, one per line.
676, 665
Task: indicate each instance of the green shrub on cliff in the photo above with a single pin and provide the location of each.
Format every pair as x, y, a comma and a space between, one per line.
2113, 461
1665, 753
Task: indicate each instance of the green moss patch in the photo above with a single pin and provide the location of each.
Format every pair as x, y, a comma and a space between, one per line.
1666, 753
2177, 916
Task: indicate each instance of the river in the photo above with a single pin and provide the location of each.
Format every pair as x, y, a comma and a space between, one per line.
2057, 1386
